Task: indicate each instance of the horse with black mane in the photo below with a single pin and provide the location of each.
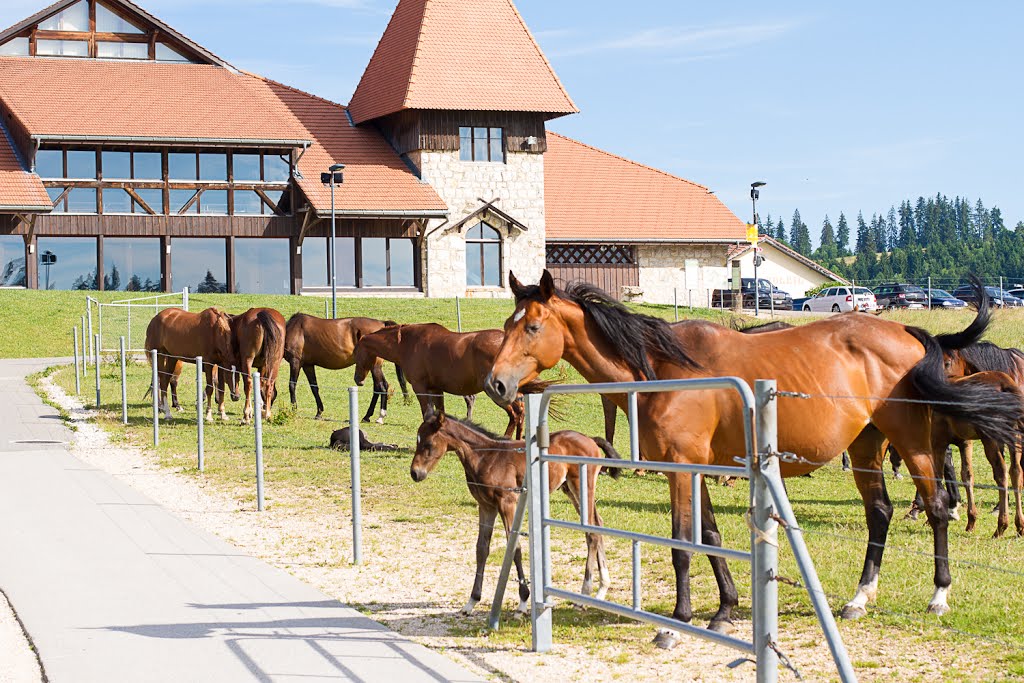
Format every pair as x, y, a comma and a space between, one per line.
856, 369
257, 341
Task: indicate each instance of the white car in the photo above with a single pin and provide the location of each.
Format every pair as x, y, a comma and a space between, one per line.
841, 300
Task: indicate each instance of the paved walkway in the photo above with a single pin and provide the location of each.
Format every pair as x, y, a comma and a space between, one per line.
112, 587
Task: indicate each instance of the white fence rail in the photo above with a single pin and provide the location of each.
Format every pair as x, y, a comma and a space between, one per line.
128, 318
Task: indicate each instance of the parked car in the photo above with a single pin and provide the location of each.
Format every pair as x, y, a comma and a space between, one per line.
940, 298
841, 300
900, 295
767, 295
1017, 292
997, 297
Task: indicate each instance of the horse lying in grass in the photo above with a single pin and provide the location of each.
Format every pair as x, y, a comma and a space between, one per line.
176, 335
312, 342
495, 470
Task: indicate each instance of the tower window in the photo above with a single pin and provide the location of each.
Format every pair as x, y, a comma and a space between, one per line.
481, 144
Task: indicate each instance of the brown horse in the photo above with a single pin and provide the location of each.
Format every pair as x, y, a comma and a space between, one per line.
312, 342
437, 361
257, 340
1005, 368
856, 369
495, 469
175, 335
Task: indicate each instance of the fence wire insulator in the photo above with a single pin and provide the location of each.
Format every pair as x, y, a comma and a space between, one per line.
772, 576
784, 660
780, 520
789, 457
790, 394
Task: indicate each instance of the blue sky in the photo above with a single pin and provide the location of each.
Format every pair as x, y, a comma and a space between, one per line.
838, 106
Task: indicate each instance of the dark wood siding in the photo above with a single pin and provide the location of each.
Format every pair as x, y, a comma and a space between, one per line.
610, 278
415, 129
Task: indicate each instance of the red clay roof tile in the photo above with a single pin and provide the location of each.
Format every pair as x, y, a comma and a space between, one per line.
592, 194
19, 189
466, 55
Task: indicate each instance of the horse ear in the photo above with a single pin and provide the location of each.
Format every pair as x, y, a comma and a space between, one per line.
440, 418
547, 286
517, 287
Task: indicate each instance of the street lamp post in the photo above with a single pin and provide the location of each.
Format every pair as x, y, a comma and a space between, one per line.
755, 193
335, 176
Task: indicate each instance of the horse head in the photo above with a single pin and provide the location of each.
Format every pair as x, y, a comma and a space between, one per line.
430, 445
224, 347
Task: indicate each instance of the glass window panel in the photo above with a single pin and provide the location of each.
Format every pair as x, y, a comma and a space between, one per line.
131, 264
55, 192
82, 200
12, 261
375, 264
50, 163
314, 261
474, 278
263, 266
345, 247
403, 273
62, 48
214, 202
248, 203
15, 47
275, 197
213, 167
73, 18
181, 166
180, 198
116, 200
492, 265
82, 164
474, 232
153, 198
117, 165
246, 167
489, 233
148, 166
480, 144
67, 262
497, 148
276, 169
168, 54
108, 22
112, 50
465, 144
199, 264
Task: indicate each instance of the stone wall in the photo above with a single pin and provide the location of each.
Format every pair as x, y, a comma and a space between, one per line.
689, 270
519, 185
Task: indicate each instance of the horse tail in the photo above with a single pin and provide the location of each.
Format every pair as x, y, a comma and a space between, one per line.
292, 334
994, 414
401, 381
609, 452
271, 333
973, 332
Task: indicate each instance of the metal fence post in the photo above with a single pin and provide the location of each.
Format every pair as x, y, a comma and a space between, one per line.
634, 455
124, 387
85, 350
201, 455
96, 369
156, 398
89, 308
764, 537
184, 298
327, 308
675, 301
540, 610
458, 312
258, 422
78, 367
929, 292
357, 513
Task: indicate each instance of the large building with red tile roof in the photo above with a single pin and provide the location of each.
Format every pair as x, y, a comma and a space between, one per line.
133, 158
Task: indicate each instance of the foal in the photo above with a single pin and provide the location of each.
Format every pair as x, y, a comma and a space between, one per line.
495, 469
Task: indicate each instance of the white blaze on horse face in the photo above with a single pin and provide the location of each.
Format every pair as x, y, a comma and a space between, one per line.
520, 314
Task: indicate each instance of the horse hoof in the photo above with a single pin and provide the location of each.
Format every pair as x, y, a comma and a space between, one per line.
379, 420
897, 476
666, 640
852, 612
938, 609
723, 626
954, 514
318, 416
970, 525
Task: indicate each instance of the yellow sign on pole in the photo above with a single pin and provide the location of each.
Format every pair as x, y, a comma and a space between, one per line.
752, 233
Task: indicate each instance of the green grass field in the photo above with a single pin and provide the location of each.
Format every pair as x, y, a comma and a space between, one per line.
301, 473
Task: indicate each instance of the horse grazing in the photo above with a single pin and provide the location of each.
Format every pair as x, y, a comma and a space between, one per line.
312, 342
437, 361
176, 335
852, 366
1004, 368
257, 339
495, 470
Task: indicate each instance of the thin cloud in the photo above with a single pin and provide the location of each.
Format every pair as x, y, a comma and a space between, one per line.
692, 42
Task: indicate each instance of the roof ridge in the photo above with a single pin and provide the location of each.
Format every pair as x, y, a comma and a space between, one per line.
415, 54
540, 52
300, 91
630, 161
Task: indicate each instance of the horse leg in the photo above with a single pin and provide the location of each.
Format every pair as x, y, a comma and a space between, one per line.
866, 457
380, 391
175, 376
894, 460
609, 410
951, 484
995, 458
166, 370
310, 372
680, 490
519, 415
209, 390
483, 549
1017, 478
507, 508
247, 385
572, 492
728, 597
222, 379
470, 402
967, 474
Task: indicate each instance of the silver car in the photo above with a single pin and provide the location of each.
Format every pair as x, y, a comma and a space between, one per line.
841, 300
